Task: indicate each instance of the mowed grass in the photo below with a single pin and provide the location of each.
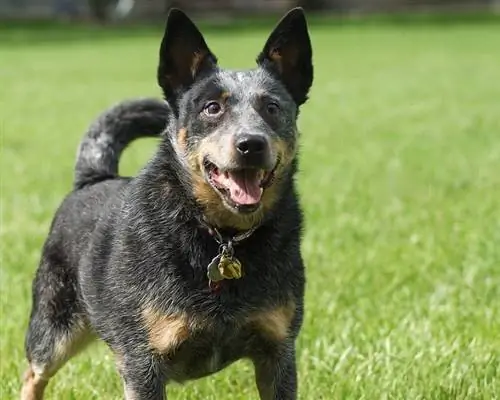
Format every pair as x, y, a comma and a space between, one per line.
400, 183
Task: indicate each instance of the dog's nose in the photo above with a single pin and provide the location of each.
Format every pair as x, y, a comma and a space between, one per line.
251, 145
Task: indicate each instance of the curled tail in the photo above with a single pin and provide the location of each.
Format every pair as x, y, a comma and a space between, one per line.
106, 138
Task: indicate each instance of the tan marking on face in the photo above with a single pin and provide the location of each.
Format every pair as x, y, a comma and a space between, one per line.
224, 96
165, 332
33, 385
284, 151
219, 147
221, 150
274, 323
216, 213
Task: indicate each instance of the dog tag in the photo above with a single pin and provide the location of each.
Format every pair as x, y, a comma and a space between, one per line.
213, 272
229, 267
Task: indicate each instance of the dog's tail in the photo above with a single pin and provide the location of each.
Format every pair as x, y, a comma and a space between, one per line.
106, 138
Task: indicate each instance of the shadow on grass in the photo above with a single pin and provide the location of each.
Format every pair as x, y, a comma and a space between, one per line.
43, 32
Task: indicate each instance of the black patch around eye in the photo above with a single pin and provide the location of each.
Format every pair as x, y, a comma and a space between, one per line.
272, 108
205, 92
268, 107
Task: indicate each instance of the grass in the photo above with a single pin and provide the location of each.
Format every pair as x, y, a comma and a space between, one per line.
399, 180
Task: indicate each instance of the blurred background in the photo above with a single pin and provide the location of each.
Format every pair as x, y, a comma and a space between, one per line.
116, 10
399, 181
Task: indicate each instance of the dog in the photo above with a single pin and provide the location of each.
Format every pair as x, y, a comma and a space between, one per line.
195, 262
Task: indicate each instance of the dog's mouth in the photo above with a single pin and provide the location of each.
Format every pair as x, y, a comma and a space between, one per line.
241, 189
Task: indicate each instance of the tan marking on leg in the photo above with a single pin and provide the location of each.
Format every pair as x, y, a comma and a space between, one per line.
66, 346
165, 332
33, 385
275, 323
130, 394
120, 363
181, 138
71, 344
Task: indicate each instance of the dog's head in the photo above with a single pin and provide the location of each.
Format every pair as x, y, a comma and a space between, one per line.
236, 130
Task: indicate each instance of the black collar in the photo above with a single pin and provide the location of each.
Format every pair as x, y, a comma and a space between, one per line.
226, 239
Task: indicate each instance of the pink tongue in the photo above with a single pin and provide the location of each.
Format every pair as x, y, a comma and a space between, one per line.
244, 187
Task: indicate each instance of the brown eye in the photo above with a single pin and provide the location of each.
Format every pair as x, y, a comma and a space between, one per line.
272, 108
212, 108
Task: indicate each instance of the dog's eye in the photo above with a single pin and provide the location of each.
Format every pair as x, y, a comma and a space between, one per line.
212, 108
272, 108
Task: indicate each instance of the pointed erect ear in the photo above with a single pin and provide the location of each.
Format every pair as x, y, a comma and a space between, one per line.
288, 54
184, 55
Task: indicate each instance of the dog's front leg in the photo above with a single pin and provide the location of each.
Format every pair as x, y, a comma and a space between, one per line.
276, 373
142, 379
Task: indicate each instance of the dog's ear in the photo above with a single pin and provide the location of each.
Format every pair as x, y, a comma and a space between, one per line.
288, 54
184, 55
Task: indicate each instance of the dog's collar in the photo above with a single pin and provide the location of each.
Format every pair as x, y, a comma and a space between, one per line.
225, 265
224, 239
221, 239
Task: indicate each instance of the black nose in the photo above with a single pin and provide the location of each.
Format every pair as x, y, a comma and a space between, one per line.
251, 144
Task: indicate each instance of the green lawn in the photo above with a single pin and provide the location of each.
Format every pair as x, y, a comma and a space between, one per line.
400, 181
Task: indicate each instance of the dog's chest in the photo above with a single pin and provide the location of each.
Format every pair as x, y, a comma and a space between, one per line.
191, 347
203, 354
